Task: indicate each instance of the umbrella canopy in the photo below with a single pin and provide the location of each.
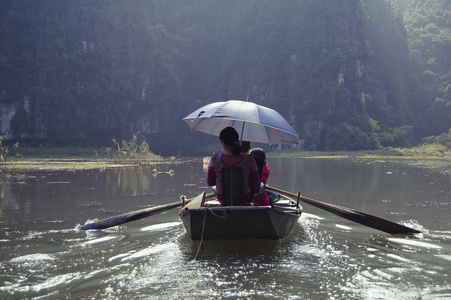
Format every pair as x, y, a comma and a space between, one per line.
253, 122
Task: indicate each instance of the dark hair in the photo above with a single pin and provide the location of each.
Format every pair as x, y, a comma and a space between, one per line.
230, 137
245, 146
260, 159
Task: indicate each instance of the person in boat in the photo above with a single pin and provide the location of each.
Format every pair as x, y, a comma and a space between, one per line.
263, 171
233, 157
245, 147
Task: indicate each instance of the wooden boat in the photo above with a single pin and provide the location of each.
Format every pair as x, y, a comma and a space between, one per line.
211, 220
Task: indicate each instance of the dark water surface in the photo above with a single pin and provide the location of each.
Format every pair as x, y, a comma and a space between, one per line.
44, 256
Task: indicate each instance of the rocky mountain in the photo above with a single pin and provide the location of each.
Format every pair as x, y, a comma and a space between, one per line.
79, 72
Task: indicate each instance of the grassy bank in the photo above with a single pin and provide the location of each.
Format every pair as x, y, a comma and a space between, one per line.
46, 153
76, 158
429, 151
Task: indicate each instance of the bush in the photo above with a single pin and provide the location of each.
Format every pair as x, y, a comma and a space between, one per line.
443, 139
397, 137
4, 150
346, 137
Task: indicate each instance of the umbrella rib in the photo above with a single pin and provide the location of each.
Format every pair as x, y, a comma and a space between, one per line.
266, 127
269, 126
242, 132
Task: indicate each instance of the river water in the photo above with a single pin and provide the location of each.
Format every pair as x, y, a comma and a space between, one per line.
44, 256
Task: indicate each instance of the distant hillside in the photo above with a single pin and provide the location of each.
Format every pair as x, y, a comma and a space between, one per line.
346, 74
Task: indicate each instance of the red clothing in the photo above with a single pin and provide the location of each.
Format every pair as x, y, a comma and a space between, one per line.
245, 161
262, 199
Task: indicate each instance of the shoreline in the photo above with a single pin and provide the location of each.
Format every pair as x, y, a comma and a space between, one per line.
427, 151
88, 161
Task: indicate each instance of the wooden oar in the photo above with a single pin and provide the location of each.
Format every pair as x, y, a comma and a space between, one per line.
136, 215
353, 215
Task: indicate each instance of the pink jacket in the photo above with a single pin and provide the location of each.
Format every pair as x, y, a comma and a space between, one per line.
262, 199
245, 161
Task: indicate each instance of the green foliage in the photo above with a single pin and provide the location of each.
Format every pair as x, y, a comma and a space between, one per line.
438, 116
443, 139
428, 27
347, 137
397, 137
425, 150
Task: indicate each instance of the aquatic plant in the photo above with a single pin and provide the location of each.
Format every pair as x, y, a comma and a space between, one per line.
4, 150
131, 151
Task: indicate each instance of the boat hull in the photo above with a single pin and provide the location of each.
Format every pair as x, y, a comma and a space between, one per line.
240, 222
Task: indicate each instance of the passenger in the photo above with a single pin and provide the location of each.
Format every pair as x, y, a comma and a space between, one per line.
232, 157
245, 147
263, 171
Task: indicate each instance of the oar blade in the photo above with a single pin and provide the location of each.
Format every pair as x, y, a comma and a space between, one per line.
128, 217
353, 215
362, 218
138, 214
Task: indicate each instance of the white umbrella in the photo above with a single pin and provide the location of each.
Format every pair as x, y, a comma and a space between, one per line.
253, 122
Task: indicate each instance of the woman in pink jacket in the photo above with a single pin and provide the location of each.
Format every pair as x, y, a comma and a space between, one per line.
232, 157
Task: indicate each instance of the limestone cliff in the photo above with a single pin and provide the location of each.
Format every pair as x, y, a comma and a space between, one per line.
82, 72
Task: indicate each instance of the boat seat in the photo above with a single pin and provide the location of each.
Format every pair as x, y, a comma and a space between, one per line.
233, 186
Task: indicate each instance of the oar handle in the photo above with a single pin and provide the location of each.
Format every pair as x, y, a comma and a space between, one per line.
313, 202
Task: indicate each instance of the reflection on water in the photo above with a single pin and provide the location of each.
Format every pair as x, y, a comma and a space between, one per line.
326, 257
